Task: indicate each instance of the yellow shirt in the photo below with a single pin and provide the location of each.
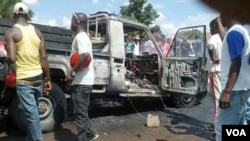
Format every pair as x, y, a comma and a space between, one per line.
28, 58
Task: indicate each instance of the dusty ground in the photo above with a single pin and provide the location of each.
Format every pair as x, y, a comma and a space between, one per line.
128, 123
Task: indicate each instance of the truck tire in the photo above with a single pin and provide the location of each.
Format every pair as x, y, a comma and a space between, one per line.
183, 101
52, 110
186, 101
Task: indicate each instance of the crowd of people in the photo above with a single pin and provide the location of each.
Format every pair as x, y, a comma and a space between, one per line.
139, 45
228, 65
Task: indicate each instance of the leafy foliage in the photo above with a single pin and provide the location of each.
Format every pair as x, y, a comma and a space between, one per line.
6, 9
140, 11
190, 34
156, 29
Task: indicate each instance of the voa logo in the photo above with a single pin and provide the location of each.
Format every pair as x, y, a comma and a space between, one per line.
236, 132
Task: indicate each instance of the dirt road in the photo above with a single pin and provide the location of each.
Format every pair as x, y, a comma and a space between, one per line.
128, 123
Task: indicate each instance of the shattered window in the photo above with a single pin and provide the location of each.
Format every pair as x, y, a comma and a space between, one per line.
97, 31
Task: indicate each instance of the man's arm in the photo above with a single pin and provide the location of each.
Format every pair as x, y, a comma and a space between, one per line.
224, 101
221, 29
11, 45
236, 44
43, 56
83, 55
211, 51
233, 74
82, 59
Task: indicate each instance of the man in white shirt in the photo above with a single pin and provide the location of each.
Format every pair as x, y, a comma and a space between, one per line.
235, 82
82, 79
213, 66
147, 46
136, 45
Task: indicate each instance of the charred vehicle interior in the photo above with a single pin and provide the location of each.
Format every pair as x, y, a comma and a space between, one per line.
179, 74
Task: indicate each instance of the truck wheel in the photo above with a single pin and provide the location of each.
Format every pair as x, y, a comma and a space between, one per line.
184, 101
52, 110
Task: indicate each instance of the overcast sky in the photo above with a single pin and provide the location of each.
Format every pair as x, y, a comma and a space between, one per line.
173, 13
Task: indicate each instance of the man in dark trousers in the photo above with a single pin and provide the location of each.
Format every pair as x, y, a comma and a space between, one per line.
82, 79
25, 47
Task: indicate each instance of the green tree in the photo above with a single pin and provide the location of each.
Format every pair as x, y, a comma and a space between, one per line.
190, 34
140, 11
6, 9
156, 29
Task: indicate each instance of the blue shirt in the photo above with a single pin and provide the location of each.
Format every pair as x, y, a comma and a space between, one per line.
236, 44
129, 47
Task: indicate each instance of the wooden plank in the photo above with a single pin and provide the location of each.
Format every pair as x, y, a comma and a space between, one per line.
53, 30
58, 46
55, 37
3, 29
6, 24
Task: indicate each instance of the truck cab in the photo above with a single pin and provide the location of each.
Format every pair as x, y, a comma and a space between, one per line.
180, 78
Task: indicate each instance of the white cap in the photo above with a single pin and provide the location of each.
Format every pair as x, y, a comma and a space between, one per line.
21, 8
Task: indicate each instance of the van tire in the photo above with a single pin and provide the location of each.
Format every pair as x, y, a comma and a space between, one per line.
52, 115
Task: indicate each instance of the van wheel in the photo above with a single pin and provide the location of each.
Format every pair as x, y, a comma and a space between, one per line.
52, 110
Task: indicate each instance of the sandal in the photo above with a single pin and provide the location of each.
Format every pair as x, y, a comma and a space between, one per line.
209, 128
